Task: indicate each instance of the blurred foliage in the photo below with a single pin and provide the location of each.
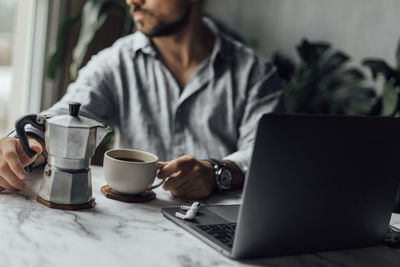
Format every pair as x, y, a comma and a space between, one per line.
92, 16
388, 104
322, 82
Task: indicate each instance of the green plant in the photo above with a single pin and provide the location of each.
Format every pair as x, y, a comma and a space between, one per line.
322, 82
388, 104
92, 15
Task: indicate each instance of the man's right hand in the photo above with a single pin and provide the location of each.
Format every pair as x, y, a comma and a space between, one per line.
13, 160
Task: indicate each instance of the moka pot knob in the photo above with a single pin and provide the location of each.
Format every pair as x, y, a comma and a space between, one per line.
74, 109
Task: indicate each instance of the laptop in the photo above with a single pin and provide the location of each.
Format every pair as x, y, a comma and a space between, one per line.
315, 183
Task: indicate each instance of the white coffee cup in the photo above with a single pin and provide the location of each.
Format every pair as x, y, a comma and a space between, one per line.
126, 176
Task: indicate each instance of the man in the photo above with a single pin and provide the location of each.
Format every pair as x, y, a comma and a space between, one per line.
177, 87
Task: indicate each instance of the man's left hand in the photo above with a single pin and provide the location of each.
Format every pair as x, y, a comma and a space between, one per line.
189, 178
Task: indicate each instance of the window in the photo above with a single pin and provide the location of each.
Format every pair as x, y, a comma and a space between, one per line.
28, 32
7, 25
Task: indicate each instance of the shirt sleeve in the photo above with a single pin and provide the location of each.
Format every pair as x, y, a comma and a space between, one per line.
263, 97
93, 90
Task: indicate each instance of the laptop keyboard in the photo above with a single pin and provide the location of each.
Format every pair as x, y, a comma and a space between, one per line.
223, 232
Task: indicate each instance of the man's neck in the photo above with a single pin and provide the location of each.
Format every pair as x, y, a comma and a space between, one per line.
188, 47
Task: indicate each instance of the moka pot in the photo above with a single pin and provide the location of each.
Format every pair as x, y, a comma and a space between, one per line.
70, 142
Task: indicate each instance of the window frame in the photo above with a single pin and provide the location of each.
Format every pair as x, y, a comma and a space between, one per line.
37, 23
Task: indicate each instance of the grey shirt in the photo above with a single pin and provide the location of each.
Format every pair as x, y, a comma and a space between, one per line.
128, 87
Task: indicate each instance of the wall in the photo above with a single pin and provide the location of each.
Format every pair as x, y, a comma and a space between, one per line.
360, 27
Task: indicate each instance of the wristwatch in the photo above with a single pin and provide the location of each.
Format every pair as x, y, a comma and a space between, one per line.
223, 176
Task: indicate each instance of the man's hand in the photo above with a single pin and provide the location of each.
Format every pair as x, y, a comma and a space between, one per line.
13, 159
189, 178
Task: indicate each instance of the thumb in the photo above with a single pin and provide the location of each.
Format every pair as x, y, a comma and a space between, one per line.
35, 145
25, 159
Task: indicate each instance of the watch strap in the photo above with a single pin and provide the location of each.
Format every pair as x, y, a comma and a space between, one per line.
214, 162
217, 165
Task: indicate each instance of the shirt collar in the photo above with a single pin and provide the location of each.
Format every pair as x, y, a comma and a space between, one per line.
221, 48
143, 43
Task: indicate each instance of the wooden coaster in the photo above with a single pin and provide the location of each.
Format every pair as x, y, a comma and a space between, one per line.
52, 205
145, 197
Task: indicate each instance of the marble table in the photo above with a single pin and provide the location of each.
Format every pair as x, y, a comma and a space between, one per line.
120, 234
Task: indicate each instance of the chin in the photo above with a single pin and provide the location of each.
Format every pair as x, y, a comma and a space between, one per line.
144, 31
141, 26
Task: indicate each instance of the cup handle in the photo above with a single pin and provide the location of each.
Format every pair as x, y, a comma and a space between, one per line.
159, 164
156, 185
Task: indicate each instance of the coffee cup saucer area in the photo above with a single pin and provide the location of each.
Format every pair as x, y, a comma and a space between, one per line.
130, 175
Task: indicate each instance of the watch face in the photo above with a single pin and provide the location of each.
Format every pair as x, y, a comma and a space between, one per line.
225, 179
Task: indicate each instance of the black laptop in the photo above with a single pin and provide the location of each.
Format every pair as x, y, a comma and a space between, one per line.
315, 183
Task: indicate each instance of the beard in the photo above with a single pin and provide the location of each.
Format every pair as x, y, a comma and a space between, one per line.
162, 28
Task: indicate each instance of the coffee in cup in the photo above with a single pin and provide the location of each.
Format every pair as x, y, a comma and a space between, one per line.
130, 159
130, 171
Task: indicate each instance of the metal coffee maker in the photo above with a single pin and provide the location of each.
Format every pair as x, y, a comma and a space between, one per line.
70, 141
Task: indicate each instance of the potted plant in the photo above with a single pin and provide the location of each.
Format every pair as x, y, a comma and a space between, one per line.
322, 82
389, 103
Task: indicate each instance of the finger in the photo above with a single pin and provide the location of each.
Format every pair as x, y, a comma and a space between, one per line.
165, 185
169, 169
12, 159
11, 178
34, 145
184, 189
176, 181
162, 163
5, 185
176, 165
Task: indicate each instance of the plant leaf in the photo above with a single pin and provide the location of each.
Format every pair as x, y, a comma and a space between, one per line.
378, 66
345, 77
322, 84
285, 66
332, 62
311, 52
389, 100
93, 17
57, 59
376, 109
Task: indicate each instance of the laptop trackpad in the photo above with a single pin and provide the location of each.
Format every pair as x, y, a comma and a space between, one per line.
229, 212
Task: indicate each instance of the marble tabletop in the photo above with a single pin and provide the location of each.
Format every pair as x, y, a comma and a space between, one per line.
120, 234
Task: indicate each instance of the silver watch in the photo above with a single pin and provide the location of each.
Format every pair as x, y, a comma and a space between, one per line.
223, 176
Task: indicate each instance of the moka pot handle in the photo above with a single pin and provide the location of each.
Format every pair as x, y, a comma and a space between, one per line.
22, 135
